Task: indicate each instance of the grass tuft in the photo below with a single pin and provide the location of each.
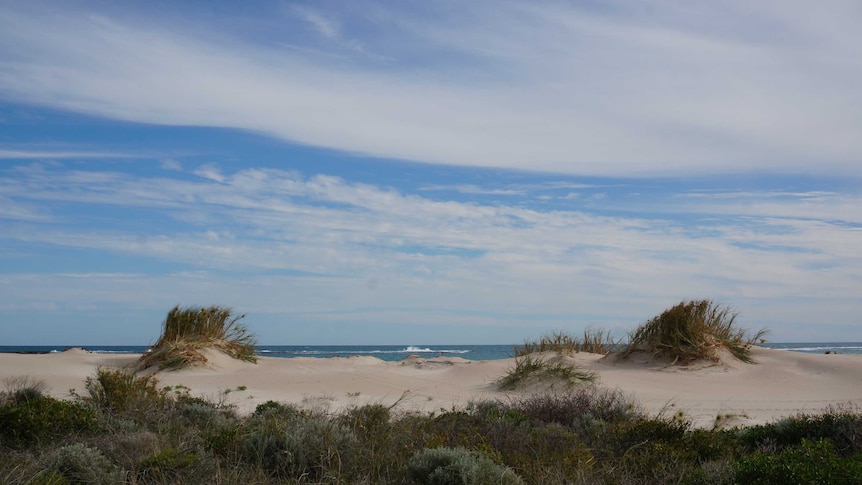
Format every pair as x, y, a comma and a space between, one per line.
187, 332
596, 341
693, 330
20, 389
536, 368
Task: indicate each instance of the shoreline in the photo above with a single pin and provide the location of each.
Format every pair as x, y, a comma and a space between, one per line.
782, 384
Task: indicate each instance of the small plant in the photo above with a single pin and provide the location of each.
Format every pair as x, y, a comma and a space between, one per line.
693, 330
450, 466
530, 368
122, 392
187, 332
596, 341
559, 342
78, 463
19, 389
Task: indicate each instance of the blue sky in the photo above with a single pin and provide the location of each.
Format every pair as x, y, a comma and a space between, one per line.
428, 172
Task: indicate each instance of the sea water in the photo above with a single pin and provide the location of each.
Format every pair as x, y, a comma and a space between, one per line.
399, 352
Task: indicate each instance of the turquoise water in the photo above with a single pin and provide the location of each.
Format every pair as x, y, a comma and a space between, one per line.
399, 352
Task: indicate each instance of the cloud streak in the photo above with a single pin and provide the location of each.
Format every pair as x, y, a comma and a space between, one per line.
611, 91
253, 234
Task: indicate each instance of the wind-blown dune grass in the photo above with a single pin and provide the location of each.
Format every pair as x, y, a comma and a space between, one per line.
594, 340
694, 330
188, 332
532, 364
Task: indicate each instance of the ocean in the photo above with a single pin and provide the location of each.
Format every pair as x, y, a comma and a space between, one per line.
399, 352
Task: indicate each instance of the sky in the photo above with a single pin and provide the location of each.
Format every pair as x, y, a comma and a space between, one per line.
412, 172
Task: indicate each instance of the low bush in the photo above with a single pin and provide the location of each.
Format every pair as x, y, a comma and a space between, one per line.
457, 466
43, 419
584, 409
127, 450
808, 462
80, 464
693, 330
124, 393
841, 426
624, 437
201, 415
168, 465
291, 443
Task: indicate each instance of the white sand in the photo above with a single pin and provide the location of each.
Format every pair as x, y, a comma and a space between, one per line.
781, 384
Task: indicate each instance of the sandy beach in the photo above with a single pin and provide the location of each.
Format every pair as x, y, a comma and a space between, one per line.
782, 383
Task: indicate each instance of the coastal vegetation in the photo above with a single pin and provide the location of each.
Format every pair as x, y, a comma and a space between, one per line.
537, 369
187, 333
560, 427
594, 341
546, 360
693, 330
585, 434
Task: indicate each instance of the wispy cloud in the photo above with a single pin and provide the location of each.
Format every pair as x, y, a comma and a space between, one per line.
322, 235
325, 26
171, 164
58, 155
545, 86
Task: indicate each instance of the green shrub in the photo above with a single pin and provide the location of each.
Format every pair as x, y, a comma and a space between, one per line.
583, 409
43, 419
492, 411
693, 330
277, 410
80, 464
811, 462
187, 332
842, 427
124, 393
711, 445
457, 466
541, 453
368, 420
655, 462
290, 443
167, 465
127, 449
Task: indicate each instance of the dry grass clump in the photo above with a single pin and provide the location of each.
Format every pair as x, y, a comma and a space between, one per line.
594, 340
187, 332
694, 330
532, 365
536, 369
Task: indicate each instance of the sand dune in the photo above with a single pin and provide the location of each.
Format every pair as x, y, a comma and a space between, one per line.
781, 384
